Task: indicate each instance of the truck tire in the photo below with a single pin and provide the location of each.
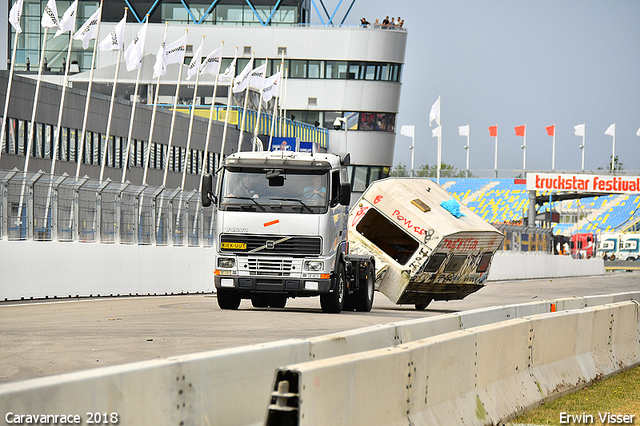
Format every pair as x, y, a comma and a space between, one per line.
363, 297
277, 300
333, 302
422, 305
259, 300
228, 299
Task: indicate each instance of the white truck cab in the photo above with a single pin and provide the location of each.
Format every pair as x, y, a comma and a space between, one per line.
281, 231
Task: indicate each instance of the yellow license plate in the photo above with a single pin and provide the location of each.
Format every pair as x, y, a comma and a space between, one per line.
234, 246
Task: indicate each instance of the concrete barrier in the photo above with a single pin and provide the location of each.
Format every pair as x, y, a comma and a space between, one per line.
39, 270
232, 387
211, 388
517, 266
477, 376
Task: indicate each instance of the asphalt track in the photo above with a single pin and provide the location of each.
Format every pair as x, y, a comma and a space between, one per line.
47, 337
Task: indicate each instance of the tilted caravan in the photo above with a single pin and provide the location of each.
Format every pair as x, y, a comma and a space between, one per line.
422, 250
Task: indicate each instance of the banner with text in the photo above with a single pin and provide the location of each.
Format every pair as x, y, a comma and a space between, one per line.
583, 183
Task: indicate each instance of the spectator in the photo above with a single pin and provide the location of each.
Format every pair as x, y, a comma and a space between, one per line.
364, 22
400, 23
385, 22
28, 63
376, 24
392, 23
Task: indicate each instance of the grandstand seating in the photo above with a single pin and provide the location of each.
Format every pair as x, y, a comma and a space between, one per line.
502, 201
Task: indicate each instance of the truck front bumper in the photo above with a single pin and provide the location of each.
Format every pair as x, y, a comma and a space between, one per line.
274, 284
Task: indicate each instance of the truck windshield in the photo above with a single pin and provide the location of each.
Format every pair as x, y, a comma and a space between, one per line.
295, 191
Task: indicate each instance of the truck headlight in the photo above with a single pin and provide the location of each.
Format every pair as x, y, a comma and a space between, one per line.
313, 265
226, 262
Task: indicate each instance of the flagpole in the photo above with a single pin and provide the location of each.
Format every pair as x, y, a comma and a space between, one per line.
468, 150
193, 107
35, 103
213, 104
113, 97
173, 122
8, 94
284, 104
153, 116
524, 150
56, 137
257, 126
226, 117
80, 150
274, 113
583, 147
31, 128
495, 160
553, 150
244, 107
439, 122
613, 150
276, 103
125, 166
413, 152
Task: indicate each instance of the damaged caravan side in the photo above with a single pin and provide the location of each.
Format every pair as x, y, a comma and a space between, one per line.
426, 246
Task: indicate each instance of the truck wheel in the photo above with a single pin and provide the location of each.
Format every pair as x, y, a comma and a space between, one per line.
423, 304
277, 300
259, 300
333, 302
364, 295
228, 299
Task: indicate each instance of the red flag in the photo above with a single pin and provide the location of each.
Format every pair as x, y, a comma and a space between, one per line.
519, 130
493, 131
551, 130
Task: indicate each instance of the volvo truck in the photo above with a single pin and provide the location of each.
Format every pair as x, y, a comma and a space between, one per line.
281, 231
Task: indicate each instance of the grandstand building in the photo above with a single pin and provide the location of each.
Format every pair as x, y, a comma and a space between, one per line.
506, 201
335, 71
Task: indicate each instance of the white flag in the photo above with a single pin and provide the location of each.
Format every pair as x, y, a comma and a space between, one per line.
463, 130
194, 65
242, 80
611, 131
211, 64
135, 51
638, 132
68, 20
115, 39
408, 130
229, 73
437, 132
50, 16
15, 14
89, 30
159, 68
174, 52
257, 77
435, 113
271, 85
579, 129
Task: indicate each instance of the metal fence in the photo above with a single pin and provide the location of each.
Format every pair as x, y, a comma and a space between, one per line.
40, 207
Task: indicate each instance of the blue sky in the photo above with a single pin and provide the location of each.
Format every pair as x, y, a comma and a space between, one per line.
513, 62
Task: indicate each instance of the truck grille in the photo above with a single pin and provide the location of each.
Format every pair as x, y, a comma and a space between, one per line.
270, 267
270, 244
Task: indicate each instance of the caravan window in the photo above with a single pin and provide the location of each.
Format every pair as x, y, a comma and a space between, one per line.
387, 236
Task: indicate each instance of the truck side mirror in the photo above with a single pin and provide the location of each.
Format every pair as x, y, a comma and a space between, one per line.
207, 190
345, 194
